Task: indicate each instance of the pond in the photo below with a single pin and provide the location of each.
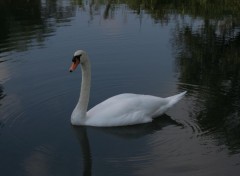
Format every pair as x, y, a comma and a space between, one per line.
156, 47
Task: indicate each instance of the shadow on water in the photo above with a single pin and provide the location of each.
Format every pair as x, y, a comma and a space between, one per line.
126, 132
2, 95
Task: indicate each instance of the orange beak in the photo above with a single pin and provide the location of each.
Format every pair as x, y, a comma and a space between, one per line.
74, 66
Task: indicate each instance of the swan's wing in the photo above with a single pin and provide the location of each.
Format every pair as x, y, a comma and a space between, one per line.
125, 109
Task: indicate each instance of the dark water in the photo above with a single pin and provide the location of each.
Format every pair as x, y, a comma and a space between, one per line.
148, 47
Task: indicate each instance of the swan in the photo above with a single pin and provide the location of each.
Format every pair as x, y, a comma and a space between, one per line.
120, 110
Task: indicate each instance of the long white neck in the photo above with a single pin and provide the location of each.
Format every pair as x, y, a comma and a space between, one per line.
85, 88
80, 111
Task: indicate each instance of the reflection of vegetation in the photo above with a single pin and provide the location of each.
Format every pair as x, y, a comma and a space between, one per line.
208, 55
15, 17
213, 61
36, 19
24, 22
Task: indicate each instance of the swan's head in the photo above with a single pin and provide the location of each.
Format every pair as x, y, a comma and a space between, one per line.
79, 57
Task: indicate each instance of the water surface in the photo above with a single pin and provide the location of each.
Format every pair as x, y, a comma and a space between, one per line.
158, 48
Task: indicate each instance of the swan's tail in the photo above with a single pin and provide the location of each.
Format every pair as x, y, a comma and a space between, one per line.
175, 98
169, 102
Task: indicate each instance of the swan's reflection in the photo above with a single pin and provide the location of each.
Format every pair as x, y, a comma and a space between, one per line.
127, 132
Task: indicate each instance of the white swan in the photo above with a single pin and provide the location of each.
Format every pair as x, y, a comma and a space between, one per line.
120, 110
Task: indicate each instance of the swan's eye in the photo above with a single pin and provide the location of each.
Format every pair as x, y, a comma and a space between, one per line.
75, 58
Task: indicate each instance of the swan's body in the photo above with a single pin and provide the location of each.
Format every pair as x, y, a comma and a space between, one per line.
120, 110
